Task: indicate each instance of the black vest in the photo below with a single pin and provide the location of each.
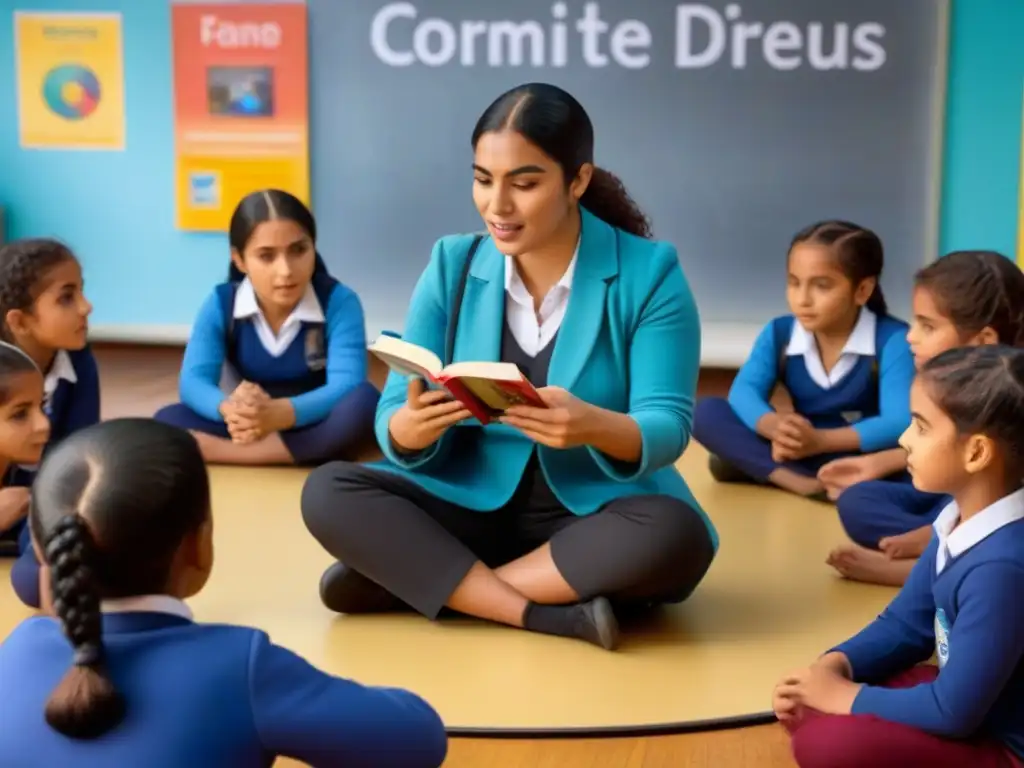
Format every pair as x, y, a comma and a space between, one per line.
533, 488
534, 368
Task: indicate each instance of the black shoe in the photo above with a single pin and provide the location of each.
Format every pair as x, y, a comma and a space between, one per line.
724, 472
596, 623
346, 591
9, 545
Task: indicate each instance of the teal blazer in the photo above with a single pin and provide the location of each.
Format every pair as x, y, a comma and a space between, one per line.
629, 342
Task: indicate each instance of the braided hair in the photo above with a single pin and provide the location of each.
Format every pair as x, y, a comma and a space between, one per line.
111, 507
24, 265
858, 250
85, 704
978, 290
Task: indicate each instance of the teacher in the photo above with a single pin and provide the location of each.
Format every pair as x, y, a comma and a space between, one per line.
550, 519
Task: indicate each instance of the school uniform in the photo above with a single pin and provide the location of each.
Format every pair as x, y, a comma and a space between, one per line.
633, 532
71, 400
206, 695
872, 510
317, 359
868, 389
961, 602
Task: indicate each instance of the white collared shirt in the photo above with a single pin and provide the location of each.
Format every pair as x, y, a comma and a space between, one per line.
955, 537
60, 368
308, 310
861, 343
148, 604
534, 330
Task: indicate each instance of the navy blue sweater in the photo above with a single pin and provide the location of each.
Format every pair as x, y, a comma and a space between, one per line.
963, 600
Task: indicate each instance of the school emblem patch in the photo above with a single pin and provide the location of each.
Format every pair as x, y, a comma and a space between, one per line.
941, 637
316, 355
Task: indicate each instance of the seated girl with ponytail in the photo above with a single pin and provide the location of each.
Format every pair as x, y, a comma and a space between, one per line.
843, 359
275, 370
122, 675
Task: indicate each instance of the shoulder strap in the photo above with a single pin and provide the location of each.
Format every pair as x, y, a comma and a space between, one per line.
226, 292
782, 329
453, 319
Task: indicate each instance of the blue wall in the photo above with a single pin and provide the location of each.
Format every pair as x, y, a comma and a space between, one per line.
116, 208
983, 126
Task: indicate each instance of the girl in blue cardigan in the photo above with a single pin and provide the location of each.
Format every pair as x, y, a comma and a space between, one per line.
866, 702
842, 359
275, 370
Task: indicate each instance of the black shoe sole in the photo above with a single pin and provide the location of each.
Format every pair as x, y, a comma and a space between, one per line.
604, 621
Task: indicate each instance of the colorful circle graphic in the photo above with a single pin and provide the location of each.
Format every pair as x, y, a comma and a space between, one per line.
71, 91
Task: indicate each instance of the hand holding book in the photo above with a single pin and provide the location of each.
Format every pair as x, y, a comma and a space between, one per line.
486, 389
564, 422
426, 415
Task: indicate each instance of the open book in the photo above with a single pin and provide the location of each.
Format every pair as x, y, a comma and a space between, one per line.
486, 389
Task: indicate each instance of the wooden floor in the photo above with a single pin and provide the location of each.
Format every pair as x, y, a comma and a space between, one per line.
137, 380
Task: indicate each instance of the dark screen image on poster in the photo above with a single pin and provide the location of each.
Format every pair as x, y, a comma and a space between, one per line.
240, 91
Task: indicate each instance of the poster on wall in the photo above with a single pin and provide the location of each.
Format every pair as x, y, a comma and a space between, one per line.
70, 80
241, 106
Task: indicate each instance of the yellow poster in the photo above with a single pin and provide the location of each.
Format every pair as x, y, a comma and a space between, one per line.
70, 74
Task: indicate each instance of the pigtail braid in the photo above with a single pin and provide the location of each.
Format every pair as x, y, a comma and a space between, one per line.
85, 704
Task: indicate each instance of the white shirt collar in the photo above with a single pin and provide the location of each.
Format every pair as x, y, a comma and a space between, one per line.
308, 310
956, 539
517, 288
861, 340
148, 604
61, 368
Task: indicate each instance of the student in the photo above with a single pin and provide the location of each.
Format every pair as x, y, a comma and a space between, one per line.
866, 702
24, 431
290, 339
553, 517
122, 675
842, 358
44, 312
966, 298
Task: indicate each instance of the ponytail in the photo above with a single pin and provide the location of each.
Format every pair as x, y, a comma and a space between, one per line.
876, 301
607, 198
235, 275
85, 704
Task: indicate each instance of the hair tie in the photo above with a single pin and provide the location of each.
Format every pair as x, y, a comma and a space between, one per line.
88, 655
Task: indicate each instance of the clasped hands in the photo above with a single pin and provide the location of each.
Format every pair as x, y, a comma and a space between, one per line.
427, 414
825, 687
250, 413
794, 437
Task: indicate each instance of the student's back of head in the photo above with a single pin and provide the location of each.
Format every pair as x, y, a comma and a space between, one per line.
120, 509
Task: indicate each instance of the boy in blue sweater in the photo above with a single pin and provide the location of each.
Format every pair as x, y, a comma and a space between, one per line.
122, 675
843, 360
275, 370
866, 702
